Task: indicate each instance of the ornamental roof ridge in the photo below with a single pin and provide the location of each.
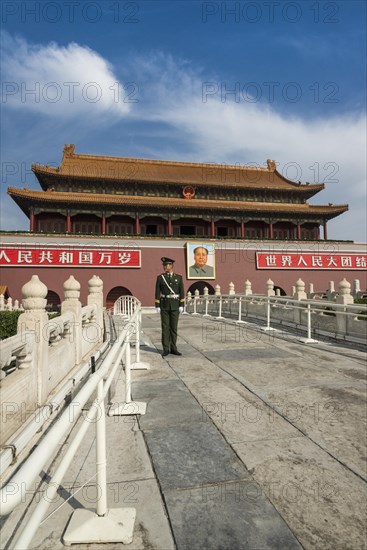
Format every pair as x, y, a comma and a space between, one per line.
271, 165
69, 152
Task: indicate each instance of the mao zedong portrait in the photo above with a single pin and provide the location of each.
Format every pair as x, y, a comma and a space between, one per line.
200, 269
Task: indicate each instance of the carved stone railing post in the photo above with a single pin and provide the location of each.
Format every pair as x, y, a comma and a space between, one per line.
344, 297
231, 289
269, 288
16, 305
299, 294
2, 302
35, 319
206, 291
95, 297
9, 304
71, 303
217, 290
248, 288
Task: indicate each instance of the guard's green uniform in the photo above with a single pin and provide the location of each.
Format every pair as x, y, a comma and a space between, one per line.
169, 297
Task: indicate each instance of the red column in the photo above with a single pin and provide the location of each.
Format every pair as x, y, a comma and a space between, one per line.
31, 220
169, 225
271, 234
299, 231
103, 224
212, 228
137, 225
68, 222
242, 229
325, 231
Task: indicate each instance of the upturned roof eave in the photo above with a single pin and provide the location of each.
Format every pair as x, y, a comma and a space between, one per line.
43, 172
39, 197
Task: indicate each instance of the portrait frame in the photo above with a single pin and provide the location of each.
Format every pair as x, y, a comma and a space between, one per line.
192, 269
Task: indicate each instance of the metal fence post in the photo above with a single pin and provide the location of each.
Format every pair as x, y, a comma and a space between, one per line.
220, 308
240, 311
206, 306
195, 301
128, 407
101, 452
138, 365
309, 339
268, 327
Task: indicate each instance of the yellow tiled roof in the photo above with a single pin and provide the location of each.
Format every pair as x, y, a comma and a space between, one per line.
171, 172
107, 199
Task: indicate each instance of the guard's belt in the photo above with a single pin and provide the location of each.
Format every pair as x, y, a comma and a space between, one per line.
175, 296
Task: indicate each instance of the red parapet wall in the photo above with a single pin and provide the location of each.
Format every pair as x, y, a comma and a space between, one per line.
54, 259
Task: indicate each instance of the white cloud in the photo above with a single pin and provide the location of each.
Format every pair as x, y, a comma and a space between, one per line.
177, 124
326, 149
59, 81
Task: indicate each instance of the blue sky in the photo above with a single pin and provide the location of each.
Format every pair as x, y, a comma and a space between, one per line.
222, 82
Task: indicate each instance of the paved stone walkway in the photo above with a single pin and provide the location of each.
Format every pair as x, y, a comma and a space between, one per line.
256, 441
250, 441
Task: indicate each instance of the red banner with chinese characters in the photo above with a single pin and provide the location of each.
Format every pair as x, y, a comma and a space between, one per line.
276, 260
68, 257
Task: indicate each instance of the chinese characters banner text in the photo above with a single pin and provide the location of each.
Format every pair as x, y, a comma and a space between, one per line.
310, 261
67, 257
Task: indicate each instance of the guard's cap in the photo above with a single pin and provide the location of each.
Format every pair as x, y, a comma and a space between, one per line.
166, 261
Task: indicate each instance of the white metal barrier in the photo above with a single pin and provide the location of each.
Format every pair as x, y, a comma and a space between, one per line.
125, 307
315, 318
85, 526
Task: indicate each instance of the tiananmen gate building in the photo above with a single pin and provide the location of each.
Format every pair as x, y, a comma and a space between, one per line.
115, 217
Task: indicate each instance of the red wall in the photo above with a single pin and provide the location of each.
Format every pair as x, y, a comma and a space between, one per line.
235, 262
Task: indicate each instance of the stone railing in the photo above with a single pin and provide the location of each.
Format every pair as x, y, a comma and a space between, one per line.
44, 352
7, 304
339, 318
329, 294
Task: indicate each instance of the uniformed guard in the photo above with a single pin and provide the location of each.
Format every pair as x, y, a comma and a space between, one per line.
169, 301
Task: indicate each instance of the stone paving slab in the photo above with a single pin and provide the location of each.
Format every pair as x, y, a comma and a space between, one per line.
238, 413
169, 403
330, 416
185, 456
243, 354
159, 388
322, 501
287, 372
227, 516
